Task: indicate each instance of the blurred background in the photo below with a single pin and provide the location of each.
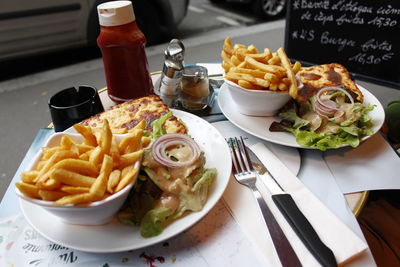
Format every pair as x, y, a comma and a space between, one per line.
47, 45
43, 34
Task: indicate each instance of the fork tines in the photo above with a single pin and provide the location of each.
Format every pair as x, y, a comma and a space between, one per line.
240, 155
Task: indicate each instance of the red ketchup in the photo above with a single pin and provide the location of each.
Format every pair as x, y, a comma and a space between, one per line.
122, 46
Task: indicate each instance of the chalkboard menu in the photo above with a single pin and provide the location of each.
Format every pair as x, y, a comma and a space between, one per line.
363, 35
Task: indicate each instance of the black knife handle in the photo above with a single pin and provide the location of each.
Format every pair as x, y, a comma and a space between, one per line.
285, 252
304, 229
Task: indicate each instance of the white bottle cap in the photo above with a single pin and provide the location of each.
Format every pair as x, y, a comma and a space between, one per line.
115, 13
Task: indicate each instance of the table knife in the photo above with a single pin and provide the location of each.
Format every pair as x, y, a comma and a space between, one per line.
294, 216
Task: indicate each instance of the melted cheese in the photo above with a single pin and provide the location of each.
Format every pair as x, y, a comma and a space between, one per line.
127, 115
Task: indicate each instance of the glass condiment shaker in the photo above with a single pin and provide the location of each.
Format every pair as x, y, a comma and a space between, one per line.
172, 72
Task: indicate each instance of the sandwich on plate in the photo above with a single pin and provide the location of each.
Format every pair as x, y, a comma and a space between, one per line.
328, 111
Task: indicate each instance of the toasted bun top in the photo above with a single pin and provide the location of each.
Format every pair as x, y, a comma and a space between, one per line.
317, 77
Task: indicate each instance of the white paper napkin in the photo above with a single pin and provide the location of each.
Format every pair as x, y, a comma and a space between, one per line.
335, 234
371, 166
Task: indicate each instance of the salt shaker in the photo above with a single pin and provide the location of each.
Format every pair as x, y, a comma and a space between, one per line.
172, 72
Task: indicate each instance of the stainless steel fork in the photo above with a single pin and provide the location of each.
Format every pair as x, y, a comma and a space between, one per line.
245, 174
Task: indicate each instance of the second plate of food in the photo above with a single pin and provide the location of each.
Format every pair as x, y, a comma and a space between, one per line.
259, 126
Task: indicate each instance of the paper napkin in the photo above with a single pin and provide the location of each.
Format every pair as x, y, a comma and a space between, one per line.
335, 234
371, 166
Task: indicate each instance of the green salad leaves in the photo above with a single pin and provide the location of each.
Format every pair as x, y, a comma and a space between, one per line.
323, 132
163, 192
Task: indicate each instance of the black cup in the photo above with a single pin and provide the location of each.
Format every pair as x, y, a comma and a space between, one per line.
72, 105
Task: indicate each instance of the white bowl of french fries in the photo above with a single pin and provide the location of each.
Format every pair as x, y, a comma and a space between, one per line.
81, 178
259, 83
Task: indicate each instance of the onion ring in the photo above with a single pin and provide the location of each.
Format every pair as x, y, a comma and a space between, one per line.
160, 146
328, 107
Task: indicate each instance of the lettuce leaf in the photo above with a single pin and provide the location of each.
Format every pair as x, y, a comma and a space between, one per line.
157, 125
349, 132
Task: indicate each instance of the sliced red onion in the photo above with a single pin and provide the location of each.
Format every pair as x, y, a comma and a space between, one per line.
328, 107
160, 146
299, 83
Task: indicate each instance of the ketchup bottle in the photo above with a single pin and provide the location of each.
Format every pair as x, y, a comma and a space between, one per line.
122, 46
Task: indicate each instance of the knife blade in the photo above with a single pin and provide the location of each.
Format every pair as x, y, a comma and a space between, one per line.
293, 215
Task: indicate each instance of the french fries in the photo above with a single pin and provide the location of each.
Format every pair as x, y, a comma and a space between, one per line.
73, 173
252, 69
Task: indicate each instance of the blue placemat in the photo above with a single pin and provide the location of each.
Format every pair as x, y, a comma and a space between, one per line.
9, 204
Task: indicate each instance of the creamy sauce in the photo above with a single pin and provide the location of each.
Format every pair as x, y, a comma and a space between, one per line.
173, 181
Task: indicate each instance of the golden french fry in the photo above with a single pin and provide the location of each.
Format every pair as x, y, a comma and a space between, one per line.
74, 199
131, 142
296, 67
286, 81
99, 187
226, 58
56, 157
29, 177
50, 195
254, 73
130, 158
252, 49
119, 131
245, 84
273, 86
73, 190
84, 156
83, 148
271, 77
226, 66
114, 151
49, 151
235, 61
240, 76
282, 87
264, 67
115, 176
72, 178
28, 189
262, 82
241, 53
227, 47
129, 175
287, 65
49, 184
141, 125
275, 60
87, 134
40, 165
106, 138
242, 64
67, 142
78, 165
96, 156
238, 46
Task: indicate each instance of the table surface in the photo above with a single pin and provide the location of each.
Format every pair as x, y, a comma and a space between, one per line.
356, 201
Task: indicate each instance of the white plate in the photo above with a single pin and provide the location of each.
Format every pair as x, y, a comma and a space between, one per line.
259, 126
116, 237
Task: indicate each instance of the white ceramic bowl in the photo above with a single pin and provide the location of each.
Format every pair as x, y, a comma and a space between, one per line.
256, 102
95, 213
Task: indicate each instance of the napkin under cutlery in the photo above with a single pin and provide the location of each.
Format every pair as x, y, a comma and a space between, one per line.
371, 166
335, 234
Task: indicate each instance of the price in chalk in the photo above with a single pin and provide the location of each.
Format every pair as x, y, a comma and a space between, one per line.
364, 58
383, 22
